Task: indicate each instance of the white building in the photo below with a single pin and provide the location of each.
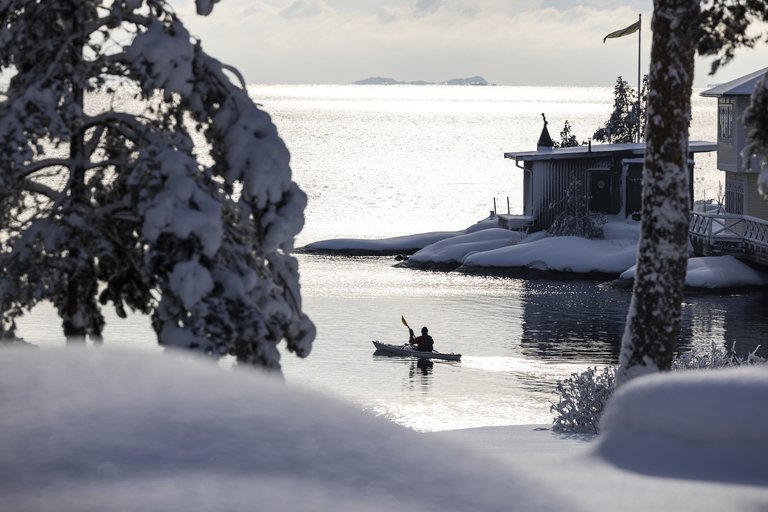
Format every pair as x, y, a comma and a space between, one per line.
741, 195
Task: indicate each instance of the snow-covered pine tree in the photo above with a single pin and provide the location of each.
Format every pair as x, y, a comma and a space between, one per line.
567, 139
185, 209
622, 125
713, 28
573, 217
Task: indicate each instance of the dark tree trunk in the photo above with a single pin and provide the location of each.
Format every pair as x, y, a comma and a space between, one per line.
75, 316
653, 320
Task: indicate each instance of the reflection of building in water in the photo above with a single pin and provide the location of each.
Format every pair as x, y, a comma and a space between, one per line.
572, 320
703, 323
584, 321
746, 324
728, 321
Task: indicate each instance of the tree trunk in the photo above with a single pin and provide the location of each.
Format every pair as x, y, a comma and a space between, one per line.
653, 320
74, 317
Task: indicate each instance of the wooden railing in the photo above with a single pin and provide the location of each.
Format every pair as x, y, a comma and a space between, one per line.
726, 233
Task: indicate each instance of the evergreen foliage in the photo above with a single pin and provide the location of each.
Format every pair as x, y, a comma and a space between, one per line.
184, 210
584, 395
622, 126
567, 139
723, 27
574, 217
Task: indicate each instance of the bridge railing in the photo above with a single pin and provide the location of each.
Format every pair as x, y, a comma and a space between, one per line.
728, 228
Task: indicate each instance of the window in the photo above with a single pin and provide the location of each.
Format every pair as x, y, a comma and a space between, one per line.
725, 122
734, 197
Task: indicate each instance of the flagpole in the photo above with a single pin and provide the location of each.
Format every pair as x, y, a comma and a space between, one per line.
639, 44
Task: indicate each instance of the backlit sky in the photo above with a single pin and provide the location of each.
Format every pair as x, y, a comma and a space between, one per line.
508, 42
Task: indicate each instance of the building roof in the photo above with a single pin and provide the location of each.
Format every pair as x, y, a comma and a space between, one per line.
739, 87
597, 150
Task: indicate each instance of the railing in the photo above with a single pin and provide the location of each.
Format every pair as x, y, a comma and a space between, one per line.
727, 233
717, 226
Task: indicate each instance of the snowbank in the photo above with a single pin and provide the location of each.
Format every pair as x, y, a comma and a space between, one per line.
703, 424
384, 246
454, 250
97, 429
484, 247
716, 272
407, 244
562, 254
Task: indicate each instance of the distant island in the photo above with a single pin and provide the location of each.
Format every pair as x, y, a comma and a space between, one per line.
379, 80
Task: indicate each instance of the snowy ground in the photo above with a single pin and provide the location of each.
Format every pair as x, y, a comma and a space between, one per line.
485, 247
99, 429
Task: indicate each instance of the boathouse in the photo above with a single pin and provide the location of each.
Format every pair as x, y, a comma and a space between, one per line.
742, 230
608, 177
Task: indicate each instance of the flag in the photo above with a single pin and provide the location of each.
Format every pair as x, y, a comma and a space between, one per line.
624, 32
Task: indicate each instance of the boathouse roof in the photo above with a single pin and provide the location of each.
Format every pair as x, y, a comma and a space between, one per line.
597, 150
739, 87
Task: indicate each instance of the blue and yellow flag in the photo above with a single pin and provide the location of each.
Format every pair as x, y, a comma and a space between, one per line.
624, 32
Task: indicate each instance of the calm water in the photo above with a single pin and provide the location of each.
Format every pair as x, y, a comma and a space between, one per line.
382, 161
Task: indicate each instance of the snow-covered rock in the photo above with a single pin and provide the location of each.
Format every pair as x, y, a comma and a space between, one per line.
453, 251
483, 247
716, 272
562, 254
393, 245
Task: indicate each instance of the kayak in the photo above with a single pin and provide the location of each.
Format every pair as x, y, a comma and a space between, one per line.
408, 351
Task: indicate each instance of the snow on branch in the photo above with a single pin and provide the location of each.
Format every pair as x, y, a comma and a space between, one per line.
197, 233
163, 55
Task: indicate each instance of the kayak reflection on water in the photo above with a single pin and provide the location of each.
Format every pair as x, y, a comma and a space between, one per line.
423, 366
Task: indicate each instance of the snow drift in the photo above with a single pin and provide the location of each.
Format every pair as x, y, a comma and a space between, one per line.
98, 429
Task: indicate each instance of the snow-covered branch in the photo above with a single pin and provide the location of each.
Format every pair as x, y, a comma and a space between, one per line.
40, 165
42, 189
198, 236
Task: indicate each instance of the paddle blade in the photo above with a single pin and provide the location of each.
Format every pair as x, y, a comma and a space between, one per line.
402, 319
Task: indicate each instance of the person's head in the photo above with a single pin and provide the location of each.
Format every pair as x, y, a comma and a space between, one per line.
424, 331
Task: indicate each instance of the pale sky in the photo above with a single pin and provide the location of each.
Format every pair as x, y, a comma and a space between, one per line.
508, 42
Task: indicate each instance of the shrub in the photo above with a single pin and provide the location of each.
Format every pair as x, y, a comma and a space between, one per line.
582, 398
573, 217
583, 395
716, 357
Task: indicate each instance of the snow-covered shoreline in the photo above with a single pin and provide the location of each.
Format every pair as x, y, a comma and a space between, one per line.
484, 248
80, 432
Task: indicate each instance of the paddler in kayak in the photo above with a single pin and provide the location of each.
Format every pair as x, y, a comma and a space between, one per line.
423, 343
